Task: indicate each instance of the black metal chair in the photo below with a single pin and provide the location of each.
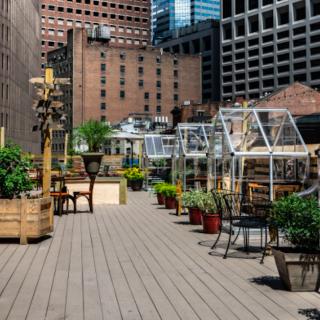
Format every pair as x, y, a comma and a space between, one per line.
245, 213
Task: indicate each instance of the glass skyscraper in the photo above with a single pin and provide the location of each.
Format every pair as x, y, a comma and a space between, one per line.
168, 15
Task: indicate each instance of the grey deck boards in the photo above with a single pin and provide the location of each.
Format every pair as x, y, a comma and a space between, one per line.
137, 262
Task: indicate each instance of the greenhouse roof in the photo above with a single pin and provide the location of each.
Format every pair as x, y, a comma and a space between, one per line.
158, 146
193, 139
257, 132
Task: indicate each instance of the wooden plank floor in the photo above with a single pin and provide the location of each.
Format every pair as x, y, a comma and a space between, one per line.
138, 262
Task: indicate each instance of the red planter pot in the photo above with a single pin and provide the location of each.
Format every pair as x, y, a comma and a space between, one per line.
170, 203
195, 216
160, 198
211, 223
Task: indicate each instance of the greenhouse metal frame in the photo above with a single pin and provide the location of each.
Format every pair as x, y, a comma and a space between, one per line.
241, 133
192, 142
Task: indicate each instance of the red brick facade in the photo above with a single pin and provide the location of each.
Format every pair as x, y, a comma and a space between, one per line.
109, 83
129, 21
298, 98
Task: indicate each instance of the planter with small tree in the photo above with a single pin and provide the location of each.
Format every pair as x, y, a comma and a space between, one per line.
298, 219
211, 219
92, 135
20, 216
135, 178
191, 201
170, 193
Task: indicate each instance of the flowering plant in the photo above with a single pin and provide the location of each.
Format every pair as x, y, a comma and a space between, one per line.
133, 174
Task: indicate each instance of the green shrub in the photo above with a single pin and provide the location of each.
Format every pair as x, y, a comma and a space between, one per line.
14, 177
133, 174
299, 220
191, 199
169, 190
206, 203
158, 187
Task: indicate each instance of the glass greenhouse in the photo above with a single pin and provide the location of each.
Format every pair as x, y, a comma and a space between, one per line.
192, 144
256, 146
157, 154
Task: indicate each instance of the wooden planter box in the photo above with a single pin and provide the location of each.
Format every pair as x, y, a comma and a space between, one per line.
298, 271
26, 218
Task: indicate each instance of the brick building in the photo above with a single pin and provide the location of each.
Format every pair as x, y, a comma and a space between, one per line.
128, 20
20, 48
304, 104
110, 83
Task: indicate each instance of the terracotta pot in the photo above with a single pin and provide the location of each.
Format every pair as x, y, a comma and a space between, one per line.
136, 185
298, 271
160, 198
211, 223
195, 216
170, 202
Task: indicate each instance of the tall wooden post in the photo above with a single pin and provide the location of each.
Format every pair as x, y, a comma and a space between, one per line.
66, 142
46, 181
2, 137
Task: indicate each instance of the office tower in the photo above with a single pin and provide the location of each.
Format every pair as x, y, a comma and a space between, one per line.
20, 48
202, 38
129, 21
169, 15
268, 44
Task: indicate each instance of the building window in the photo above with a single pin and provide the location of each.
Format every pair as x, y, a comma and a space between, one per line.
158, 72
158, 109
122, 81
175, 85
102, 106
158, 84
140, 70
175, 73
158, 96
158, 59
175, 97
140, 58
146, 95
122, 69
102, 93
146, 108
103, 119
175, 61
103, 67
103, 55
140, 83
103, 80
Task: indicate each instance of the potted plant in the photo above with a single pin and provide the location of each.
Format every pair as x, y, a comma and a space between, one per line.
299, 221
169, 192
135, 178
21, 216
157, 188
211, 219
91, 135
191, 201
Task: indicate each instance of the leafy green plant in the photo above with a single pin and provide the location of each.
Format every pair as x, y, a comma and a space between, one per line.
299, 220
169, 191
191, 199
158, 187
207, 203
133, 174
92, 133
14, 177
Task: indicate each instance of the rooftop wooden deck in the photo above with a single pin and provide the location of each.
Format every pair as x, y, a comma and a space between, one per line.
138, 262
